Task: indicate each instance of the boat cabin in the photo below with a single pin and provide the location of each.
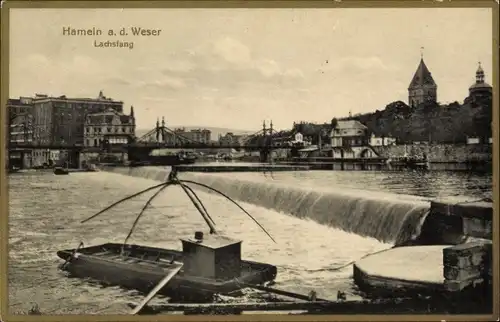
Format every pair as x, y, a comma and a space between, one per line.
212, 256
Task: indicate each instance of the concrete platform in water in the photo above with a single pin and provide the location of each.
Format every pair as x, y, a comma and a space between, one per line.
400, 270
235, 167
450, 263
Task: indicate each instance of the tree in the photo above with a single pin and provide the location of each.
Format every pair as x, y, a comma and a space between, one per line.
334, 123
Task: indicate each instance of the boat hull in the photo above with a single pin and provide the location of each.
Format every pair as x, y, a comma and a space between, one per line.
60, 171
144, 267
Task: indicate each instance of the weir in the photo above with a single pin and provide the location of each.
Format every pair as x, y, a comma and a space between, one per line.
390, 218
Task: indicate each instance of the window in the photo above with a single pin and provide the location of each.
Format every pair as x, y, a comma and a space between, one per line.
116, 130
87, 130
124, 129
109, 130
95, 142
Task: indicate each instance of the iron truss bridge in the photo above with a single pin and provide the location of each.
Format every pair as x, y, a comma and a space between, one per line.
146, 145
161, 137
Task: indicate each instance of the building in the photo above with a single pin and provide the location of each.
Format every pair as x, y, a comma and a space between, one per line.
19, 129
349, 133
196, 135
381, 141
19, 117
422, 88
60, 120
231, 139
20, 105
473, 140
480, 89
110, 126
180, 135
102, 132
350, 139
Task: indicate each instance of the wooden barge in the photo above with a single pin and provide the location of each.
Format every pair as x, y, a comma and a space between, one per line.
211, 265
207, 265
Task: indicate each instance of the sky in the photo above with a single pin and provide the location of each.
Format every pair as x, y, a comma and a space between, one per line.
235, 68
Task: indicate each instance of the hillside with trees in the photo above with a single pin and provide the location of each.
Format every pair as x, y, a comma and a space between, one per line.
428, 122
432, 122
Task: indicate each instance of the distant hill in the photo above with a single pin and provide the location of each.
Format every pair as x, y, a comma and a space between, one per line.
215, 130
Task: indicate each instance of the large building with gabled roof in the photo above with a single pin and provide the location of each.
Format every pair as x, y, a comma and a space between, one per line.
422, 88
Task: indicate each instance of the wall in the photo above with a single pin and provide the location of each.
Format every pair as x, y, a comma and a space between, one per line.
440, 152
452, 222
381, 141
468, 265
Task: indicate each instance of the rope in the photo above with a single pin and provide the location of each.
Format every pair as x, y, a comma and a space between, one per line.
350, 263
234, 202
122, 200
165, 185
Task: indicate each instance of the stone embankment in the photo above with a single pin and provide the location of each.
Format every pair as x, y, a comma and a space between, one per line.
452, 153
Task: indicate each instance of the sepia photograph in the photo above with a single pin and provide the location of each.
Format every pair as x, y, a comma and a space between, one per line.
237, 161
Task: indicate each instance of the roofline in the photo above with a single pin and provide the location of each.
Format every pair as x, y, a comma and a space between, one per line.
233, 242
19, 105
74, 100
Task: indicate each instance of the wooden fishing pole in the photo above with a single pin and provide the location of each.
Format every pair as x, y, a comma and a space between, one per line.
234, 202
199, 202
195, 203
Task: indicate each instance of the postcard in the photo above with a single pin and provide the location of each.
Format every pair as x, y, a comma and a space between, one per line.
249, 160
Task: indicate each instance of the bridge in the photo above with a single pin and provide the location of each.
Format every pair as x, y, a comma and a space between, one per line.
162, 137
140, 145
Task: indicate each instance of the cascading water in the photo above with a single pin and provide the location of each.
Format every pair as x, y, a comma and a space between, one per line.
390, 218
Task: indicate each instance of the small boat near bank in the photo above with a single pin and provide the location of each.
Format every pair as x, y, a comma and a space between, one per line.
60, 171
207, 265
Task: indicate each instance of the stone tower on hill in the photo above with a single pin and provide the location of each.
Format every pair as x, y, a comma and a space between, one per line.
422, 87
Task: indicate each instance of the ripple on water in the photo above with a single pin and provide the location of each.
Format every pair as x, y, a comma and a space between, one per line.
46, 211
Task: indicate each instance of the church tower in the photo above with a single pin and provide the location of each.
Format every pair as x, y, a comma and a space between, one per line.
422, 87
480, 88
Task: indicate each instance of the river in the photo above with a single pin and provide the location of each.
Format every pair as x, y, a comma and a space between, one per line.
46, 211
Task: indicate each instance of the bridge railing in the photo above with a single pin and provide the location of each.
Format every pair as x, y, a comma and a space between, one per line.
150, 145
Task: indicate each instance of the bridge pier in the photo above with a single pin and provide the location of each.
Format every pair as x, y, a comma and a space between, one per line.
264, 155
